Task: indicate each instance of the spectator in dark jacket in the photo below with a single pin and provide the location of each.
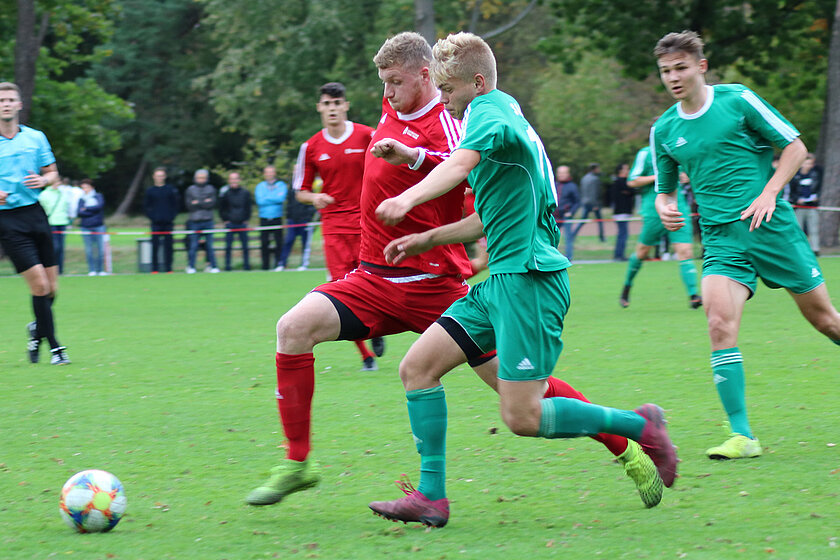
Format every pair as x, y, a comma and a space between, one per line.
235, 211
805, 195
568, 202
623, 198
92, 223
161, 205
298, 215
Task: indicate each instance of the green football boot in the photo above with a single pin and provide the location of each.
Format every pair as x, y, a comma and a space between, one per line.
736, 447
287, 478
641, 469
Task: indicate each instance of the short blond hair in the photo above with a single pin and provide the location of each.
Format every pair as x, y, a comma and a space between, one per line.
687, 41
408, 50
9, 86
463, 55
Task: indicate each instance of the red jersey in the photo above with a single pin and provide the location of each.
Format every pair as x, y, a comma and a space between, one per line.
340, 162
434, 131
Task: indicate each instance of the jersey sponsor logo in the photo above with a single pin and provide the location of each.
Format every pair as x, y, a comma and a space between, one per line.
525, 364
719, 378
353, 150
814, 272
324, 157
680, 142
408, 132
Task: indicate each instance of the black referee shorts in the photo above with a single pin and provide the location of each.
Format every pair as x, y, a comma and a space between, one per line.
26, 237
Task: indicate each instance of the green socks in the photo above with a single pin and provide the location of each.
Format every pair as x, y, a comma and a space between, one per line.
427, 414
571, 418
633, 266
688, 273
728, 370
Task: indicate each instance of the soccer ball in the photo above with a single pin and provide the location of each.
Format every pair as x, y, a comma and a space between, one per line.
92, 501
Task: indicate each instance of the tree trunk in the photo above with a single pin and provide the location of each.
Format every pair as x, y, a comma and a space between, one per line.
133, 189
830, 196
26, 55
424, 20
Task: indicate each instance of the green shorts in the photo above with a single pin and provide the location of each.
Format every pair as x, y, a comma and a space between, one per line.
653, 230
777, 252
518, 315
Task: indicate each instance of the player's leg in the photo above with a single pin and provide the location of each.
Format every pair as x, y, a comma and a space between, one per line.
816, 307
313, 320
429, 358
688, 271
634, 264
723, 300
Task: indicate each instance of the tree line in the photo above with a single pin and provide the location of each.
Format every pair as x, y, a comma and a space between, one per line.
123, 86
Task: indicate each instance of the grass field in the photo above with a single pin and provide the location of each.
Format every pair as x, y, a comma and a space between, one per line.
172, 390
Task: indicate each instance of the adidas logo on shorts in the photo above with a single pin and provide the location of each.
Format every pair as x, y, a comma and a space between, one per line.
525, 364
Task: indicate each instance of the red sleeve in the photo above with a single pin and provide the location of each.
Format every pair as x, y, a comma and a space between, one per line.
305, 171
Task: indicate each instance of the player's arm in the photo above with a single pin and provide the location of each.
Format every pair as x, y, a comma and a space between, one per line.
642, 181
667, 176
441, 180
790, 161
468, 229
318, 200
48, 175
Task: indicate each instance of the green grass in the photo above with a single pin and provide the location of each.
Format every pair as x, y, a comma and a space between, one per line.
172, 390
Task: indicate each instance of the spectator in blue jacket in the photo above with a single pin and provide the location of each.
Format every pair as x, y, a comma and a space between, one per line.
92, 223
161, 205
270, 195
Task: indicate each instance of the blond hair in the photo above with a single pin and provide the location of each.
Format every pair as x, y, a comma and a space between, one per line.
9, 86
462, 56
408, 50
688, 42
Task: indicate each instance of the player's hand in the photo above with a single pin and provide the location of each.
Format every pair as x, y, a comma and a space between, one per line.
400, 249
761, 209
34, 181
322, 200
3, 196
394, 152
670, 216
391, 211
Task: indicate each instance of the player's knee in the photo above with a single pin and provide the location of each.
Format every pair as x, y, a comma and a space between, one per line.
521, 422
291, 334
721, 328
415, 373
827, 322
40, 287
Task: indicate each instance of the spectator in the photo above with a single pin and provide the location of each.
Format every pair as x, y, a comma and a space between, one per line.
298, 215
568, 203
92, 222
805, 195
56, 202
590, 191
235, 211
270, 195
623, 198
201, 200
161, 206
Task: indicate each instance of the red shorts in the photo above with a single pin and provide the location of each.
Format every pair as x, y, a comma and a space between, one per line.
341, 253
389, 304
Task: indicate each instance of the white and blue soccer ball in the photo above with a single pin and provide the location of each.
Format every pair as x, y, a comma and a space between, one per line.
92, 501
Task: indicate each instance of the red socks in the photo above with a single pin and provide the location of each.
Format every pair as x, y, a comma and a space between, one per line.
295, 387
559, 388
363, 349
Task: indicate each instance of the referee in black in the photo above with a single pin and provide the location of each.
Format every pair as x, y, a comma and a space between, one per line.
27, 165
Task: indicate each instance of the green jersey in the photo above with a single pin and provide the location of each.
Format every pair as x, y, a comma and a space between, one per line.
726, 148
514, 187
643, 167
